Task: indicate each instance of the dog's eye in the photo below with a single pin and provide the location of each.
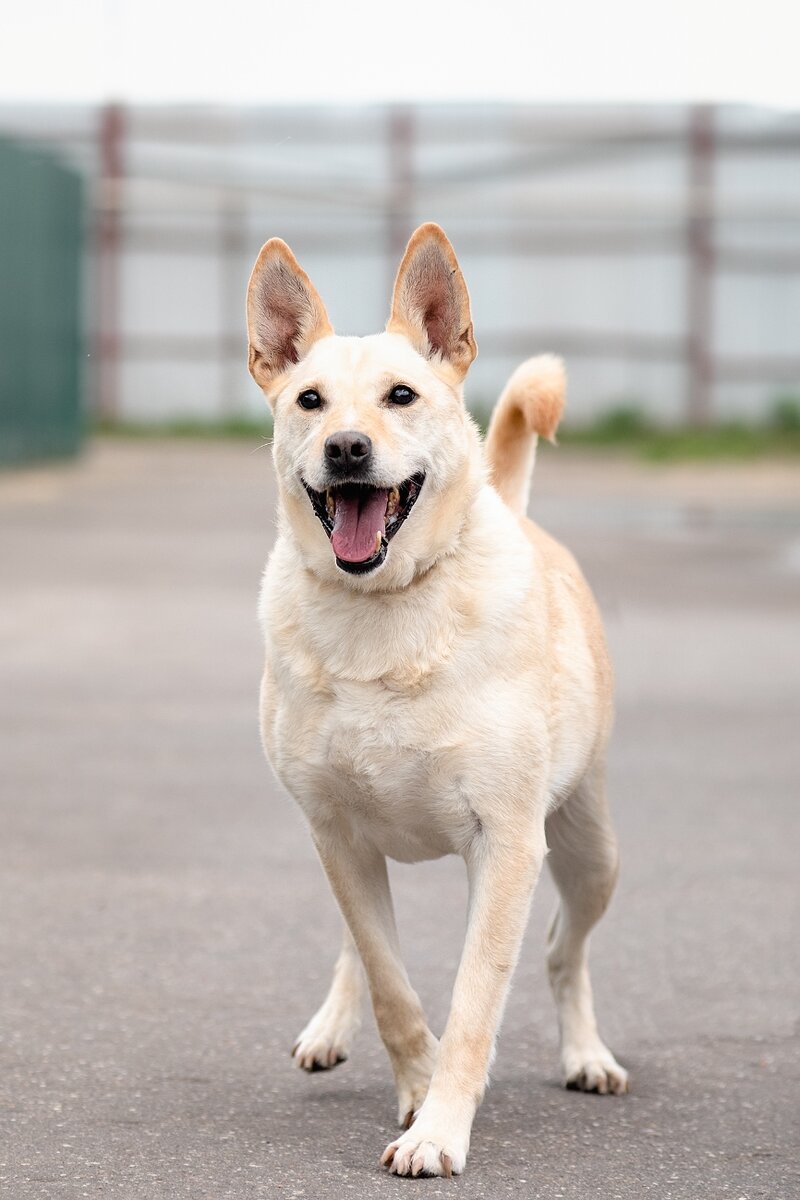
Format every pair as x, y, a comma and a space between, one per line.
309, 399
402, 394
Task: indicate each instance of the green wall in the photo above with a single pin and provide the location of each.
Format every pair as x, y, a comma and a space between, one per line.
41, 236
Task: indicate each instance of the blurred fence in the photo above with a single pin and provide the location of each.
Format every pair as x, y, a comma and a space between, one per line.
656, 248
41, 233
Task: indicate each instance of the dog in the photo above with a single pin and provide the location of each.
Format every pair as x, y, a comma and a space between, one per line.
436, 678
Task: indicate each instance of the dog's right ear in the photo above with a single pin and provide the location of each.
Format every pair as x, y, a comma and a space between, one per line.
285, 314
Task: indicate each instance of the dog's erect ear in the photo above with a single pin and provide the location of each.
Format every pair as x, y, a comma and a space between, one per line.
430, 304
285, 315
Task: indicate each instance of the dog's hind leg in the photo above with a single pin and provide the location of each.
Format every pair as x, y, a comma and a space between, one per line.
326, 1039
583, 861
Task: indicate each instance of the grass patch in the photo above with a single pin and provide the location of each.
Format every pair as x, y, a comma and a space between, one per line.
189, 427
627, 428
729, 441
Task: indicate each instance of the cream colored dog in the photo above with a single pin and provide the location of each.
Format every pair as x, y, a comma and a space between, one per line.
436, 676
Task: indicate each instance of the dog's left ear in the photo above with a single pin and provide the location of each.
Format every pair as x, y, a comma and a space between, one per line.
430, 303
285, 314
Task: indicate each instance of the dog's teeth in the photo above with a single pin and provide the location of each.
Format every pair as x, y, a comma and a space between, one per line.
377, 540
394, 500
330, 504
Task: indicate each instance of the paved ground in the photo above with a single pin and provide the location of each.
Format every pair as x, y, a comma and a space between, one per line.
165, 929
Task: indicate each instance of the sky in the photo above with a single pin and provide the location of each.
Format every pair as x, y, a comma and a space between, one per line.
350, 51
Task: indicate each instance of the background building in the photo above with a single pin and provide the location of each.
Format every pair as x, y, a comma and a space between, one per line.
656, 248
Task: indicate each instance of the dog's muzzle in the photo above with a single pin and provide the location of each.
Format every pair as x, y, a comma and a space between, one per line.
361, 519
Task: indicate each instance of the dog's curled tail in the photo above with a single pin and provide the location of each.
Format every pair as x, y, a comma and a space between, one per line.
530, 407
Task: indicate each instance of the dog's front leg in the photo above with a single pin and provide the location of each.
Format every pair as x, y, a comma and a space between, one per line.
502, 875
360, 882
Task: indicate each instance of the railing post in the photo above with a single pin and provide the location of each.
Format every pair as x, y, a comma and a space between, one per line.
232, 239
108, 243
400, 206
700, 266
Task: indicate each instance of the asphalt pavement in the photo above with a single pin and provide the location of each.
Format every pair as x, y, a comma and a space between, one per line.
165, 929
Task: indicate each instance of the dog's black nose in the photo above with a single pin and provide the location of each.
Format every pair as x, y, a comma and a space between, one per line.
348, 451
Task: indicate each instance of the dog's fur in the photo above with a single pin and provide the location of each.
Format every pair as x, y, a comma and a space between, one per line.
454, 700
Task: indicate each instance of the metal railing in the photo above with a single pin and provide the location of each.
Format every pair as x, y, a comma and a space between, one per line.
658, 249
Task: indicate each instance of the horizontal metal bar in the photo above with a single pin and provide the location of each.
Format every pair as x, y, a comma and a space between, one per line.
203, 194
782, 368
191, 347
178, 348
511, 243
758, 262
585, 344
434, 124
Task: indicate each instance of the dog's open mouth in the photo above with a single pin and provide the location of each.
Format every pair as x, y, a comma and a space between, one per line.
361, 520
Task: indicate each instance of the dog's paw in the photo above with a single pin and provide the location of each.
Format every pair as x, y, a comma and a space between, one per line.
427, 1149
412, 1078
594, 1070
325, 1042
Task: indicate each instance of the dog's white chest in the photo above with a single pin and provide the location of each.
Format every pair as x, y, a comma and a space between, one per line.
376, 762
392, 772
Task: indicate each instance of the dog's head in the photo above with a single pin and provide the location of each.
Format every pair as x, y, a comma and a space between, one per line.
377, 459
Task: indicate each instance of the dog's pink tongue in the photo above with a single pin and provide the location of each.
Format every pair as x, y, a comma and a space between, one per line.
359, 517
